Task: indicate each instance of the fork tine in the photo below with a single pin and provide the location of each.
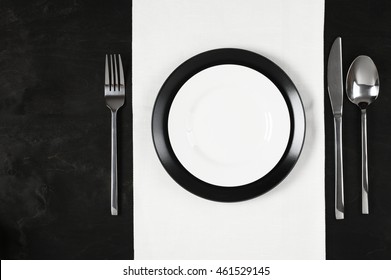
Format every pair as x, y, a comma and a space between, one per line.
107, 77
121, 72
112, 81
116, 86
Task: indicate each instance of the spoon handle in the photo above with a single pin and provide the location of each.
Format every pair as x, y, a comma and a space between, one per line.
339, 198
364, 163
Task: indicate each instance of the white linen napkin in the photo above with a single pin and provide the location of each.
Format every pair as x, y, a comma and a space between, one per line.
288, 222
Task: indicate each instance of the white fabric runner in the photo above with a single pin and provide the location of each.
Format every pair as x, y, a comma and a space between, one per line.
169, 222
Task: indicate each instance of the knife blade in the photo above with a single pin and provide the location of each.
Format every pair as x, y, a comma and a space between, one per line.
335, 89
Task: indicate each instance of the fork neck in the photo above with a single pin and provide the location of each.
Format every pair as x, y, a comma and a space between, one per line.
114, 117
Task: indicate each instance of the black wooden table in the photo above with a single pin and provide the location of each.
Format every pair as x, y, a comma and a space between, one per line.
55, 130
365, 29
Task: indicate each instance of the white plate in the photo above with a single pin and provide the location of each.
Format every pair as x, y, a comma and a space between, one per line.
229, 125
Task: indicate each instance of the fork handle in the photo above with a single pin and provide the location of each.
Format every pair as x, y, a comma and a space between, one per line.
114, 173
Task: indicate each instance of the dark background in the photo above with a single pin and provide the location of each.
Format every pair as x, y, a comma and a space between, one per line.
55, 131
364, 26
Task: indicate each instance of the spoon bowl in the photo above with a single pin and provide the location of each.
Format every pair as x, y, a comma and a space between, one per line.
362, 82
362, 88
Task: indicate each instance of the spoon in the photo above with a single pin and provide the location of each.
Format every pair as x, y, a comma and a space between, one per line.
362, 88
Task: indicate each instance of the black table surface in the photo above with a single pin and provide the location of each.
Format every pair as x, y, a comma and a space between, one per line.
365, 30
55, 131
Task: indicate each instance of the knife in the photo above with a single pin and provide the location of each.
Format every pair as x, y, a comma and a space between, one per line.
335, 89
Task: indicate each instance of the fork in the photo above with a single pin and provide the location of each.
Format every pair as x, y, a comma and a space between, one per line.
115, 99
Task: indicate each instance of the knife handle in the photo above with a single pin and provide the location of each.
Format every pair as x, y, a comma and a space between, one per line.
339, 198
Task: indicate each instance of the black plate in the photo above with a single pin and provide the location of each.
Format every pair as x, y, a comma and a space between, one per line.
160, 124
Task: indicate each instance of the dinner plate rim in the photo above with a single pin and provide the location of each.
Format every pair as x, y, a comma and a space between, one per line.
166, 97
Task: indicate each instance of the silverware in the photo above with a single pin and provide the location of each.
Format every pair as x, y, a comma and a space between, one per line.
335, 89
115, 98
362, 88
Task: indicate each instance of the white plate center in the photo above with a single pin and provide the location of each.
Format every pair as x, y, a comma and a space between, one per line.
229, 125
